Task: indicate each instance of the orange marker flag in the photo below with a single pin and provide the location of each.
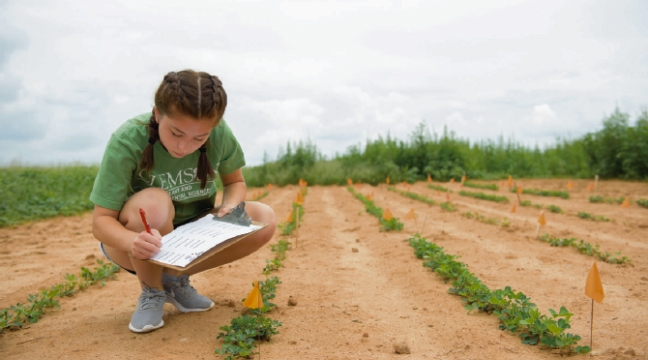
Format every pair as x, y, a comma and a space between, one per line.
510, 181
570, 185
387, 180
369, 196
590, 187
387, 215
429, 178
358, 185
349, 181
452, 181
410, 215
269, 186
514, 208
626, 202
254, 300
290, 217
541, 220
300, 199
447, 196
519, 189
593, 286
463, 179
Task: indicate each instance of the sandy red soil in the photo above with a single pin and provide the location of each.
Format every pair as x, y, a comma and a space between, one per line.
354, 304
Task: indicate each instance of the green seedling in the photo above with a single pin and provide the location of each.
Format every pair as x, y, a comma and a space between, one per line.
481, 186
588, 216
515, 311
586, 249
412, 195
482, 196
371, 208
439, 188
560, 194
447, 206
17, 315
555, 209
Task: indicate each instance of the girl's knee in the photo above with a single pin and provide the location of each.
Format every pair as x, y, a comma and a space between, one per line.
157, 205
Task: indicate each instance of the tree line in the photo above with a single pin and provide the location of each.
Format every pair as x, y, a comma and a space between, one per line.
618, 150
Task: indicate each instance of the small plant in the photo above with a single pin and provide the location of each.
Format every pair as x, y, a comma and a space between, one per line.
17, 315
240, 336
371, 208
447, 206
482, 196
481, 186
528, 203
481, 218
588, 216
555, 209
438, 188
412, 195
587, 249
556, 193
279, 249
601, 199
515, 311
288, 226
643, 202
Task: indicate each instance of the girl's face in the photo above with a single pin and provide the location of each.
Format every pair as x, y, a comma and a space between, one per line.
182, 135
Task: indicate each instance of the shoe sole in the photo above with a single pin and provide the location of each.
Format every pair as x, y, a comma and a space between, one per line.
146, 328
183, 309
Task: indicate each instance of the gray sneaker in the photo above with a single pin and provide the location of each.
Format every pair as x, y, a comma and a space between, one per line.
148, 314
183, 296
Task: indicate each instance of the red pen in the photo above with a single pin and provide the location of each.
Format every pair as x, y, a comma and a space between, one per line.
146, 225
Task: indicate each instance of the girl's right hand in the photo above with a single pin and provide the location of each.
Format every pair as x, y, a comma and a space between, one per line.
145, 245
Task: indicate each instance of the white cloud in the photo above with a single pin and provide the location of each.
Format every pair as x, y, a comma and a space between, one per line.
336, 73
543, 115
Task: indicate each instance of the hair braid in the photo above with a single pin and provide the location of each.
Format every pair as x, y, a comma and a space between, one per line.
147, 160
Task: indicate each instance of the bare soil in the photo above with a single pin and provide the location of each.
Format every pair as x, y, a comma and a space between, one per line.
359, 293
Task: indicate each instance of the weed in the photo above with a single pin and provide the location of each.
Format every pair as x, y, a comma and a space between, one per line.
643, 202
555, 209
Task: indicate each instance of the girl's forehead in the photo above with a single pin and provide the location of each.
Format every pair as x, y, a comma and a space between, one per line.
188, 124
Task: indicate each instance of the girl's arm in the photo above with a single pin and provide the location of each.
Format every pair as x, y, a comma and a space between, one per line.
234, 192
107, 229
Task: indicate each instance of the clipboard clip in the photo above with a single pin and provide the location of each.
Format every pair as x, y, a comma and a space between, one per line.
237, 216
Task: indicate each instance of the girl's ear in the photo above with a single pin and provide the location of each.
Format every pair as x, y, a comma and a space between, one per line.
156, 113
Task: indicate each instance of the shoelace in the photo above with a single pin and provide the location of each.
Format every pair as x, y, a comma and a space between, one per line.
150, 299
184, 287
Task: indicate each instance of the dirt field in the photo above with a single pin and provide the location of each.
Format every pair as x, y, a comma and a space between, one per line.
354, 304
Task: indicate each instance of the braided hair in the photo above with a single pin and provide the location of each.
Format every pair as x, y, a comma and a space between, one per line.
195, 94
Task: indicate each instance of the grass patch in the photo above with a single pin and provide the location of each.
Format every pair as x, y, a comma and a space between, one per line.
43, 192
588, 216
586, 249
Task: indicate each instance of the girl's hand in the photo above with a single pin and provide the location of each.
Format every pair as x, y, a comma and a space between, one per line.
224, 209
145, 245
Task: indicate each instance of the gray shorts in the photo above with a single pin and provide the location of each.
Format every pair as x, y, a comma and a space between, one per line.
101, 246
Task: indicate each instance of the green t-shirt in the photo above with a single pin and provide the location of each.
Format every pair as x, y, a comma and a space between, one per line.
120, 175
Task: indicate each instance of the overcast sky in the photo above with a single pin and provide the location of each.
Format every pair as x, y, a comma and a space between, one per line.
337, 73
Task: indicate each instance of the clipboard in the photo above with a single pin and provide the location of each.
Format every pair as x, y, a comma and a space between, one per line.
214, 250
235, 220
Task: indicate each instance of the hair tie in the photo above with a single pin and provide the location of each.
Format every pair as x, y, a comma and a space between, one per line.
203, 149
151, 141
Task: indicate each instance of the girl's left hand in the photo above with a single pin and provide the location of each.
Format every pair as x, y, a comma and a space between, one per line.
224, 209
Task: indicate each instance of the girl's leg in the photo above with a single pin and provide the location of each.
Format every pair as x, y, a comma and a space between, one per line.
159, 212
258, 212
